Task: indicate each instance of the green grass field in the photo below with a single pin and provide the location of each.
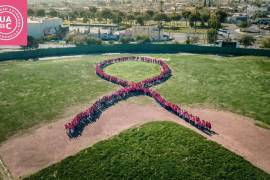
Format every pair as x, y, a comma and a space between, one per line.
35, 92
158, 150
237, 84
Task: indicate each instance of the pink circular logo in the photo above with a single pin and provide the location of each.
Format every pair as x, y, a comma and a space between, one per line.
11, 22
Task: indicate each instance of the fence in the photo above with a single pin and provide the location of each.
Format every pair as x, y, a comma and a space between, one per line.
130, 48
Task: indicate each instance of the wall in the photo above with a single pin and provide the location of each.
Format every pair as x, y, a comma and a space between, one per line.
130, 48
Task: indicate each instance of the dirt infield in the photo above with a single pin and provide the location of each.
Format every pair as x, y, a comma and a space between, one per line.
49, 143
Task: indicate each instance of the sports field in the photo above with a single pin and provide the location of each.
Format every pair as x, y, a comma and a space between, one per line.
36, 92
33, 93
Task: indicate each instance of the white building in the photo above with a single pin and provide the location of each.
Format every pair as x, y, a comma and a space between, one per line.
38, 28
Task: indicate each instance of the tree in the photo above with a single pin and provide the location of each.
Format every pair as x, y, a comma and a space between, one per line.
176, 17
161, 4
31, 43
221, 15
188, 40
117, 19
72, 16
193, 18
259, 14
130, 18
93, 11
140, 20
31, 12
150, 13
247, 40
53, 13
211, 35
266, 43
214, 22
204, 16
161, 17
41, 13
186, 15
76, 13
257, 3
106, 14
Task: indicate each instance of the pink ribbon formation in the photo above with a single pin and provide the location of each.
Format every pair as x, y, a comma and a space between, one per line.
130, 89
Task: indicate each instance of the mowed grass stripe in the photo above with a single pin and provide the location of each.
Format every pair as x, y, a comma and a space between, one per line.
157, 150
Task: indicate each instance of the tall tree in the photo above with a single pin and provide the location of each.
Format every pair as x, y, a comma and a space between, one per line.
193, 18
214, 22
186, 15
211, 35
106, 14
161, 4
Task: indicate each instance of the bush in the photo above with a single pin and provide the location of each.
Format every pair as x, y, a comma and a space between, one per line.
243, 24
93, 41
125, 40
247, 40
143, 39
79, 39
192, 39
188, 40
265, 43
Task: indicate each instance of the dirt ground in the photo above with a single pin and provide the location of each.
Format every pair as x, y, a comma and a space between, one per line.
48, 144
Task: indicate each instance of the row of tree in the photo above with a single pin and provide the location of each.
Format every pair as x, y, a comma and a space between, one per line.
202, 15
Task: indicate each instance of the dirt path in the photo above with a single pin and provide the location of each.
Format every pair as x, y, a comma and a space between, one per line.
49, 144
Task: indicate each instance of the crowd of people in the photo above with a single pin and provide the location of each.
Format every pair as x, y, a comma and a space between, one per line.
163, 76
76, 126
